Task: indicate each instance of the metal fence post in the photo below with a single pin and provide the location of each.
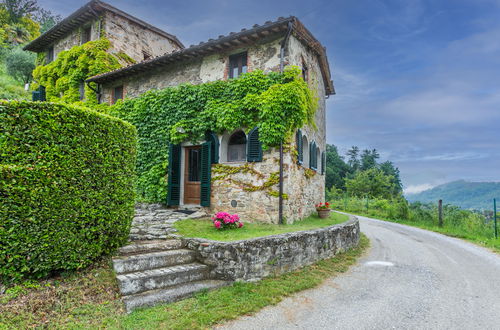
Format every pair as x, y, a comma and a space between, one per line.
495, 216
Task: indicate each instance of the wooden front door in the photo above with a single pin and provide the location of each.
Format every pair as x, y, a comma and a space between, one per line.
192, 175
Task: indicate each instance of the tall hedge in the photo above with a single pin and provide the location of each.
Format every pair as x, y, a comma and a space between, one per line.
66, 187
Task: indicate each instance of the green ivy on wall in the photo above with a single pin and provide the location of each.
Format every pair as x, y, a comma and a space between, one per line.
276, 103
62, 77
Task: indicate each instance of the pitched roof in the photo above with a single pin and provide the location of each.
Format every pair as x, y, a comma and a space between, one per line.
232, 40
89, 11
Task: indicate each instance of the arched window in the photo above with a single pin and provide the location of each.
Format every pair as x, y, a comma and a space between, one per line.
305, 151
236, 147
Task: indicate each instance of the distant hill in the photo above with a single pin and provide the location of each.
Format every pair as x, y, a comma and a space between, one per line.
467, 195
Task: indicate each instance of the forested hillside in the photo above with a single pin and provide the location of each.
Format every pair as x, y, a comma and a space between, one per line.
467, 195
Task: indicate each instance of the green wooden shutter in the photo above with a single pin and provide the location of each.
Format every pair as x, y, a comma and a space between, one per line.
174, 175
35, 96
206, 173
254, 147
300, 153
323, 162
43, 97
311, 152
212, 137
313, 157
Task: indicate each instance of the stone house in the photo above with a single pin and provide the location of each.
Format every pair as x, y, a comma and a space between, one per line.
127, 34
268, 47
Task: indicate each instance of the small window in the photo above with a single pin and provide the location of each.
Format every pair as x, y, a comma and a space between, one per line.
236, 149
86, 34
305, 72
237, 65
146, 55
50, 54
82, 90
117, 93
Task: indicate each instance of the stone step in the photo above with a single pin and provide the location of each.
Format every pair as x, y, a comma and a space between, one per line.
160, 278
152, 260
150, 246
171, 294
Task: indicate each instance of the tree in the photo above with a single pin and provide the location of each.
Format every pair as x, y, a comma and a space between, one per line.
353, 161
370, 183
389, 169
336, 169
369, 159
17, 9
20, 64
46, 19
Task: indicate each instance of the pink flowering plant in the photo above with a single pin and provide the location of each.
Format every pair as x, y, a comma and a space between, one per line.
224, 220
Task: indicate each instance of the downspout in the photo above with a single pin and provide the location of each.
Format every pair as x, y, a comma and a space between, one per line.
282, 67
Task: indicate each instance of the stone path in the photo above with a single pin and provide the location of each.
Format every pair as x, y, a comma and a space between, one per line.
154, 221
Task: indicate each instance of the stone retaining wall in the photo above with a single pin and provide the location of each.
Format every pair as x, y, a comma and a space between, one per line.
253, 259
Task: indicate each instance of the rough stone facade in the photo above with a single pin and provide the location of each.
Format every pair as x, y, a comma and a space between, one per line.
125, 36
253, 259
302, 191
133, 39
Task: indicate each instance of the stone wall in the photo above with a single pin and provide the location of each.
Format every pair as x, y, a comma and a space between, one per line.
133, 39
253, 259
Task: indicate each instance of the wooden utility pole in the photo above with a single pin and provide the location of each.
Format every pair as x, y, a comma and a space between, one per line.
440, 211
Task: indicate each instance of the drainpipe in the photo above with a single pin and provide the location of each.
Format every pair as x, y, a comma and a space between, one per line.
282, 67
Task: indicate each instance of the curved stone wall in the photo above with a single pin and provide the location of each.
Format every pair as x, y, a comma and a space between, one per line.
253, 259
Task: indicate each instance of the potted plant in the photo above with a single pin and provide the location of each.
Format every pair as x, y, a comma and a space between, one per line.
323, 210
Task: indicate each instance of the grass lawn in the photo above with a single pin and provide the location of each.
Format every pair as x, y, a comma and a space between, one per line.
90, 299
203, 228
491, 243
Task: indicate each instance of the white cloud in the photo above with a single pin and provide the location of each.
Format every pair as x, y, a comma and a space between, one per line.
415, 189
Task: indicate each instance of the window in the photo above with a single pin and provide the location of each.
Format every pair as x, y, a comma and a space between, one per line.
86, 35
194, 164
117, 93
50, 54
82, 90
236, 148
305, 71
146, 55
237, 65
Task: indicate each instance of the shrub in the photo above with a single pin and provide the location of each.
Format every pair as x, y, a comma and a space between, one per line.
224, 220
66, 187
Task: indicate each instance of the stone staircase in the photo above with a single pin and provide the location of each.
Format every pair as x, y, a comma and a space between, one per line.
153, 269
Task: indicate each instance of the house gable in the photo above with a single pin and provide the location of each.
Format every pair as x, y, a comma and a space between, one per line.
127, 33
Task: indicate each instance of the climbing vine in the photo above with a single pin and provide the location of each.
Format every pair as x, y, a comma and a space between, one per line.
225, 172
276, 103
64, 76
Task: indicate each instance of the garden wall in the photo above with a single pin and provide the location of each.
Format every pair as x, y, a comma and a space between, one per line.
253, 259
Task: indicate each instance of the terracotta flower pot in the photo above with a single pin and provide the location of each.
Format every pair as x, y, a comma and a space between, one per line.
324, 213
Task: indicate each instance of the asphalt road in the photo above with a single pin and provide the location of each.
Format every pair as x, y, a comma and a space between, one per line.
410, 279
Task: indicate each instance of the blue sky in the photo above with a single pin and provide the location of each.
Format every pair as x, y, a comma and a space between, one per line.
417, 80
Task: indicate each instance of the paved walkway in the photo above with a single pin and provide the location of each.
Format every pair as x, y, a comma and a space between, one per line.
410, 279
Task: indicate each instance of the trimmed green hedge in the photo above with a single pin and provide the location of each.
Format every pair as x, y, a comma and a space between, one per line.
66, 187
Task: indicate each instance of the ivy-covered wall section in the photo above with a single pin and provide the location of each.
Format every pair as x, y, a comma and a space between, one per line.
64, 76
277, 104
